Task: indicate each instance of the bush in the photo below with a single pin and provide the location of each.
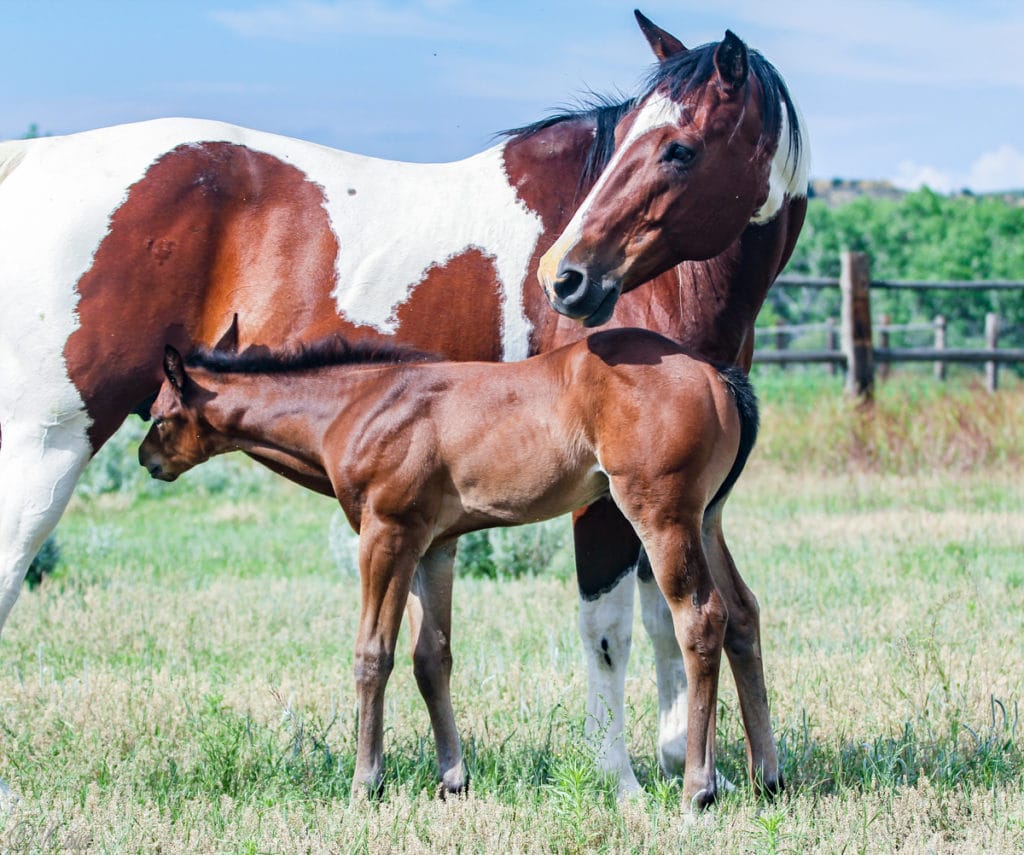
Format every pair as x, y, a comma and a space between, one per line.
44, 563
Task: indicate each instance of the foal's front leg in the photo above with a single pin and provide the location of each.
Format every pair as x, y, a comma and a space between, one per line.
430, 620
388, 553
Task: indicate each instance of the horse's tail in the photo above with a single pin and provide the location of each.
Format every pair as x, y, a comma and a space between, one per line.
11, 154
746, 407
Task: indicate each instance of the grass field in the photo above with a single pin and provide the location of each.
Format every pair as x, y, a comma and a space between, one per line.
184, 683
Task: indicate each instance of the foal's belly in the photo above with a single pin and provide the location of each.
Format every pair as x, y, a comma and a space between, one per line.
528, 492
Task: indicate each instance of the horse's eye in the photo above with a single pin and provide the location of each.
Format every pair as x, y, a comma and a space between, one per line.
678, 154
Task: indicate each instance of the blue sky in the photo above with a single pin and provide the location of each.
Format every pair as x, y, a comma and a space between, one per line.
906, 90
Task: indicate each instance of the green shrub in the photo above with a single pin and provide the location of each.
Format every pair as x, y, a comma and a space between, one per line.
44, 563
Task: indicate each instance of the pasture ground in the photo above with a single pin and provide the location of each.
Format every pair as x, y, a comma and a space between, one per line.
184, 683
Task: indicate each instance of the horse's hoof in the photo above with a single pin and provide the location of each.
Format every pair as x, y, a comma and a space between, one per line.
453, 783
769, 788
703, 799
8, 800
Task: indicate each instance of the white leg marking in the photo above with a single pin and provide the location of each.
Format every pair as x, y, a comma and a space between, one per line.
671, 675
606, 627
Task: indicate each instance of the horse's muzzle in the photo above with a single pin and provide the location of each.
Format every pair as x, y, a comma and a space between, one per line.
576, 295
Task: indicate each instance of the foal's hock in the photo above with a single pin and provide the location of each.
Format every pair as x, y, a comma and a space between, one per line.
418, 452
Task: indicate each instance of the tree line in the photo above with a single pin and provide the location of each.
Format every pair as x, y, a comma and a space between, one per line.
923, 235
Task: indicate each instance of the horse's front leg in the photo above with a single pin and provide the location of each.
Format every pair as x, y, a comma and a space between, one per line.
388, 553
430, 620
40, 464
606, 555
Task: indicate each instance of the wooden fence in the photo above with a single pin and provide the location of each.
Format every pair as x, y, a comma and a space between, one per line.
850, 344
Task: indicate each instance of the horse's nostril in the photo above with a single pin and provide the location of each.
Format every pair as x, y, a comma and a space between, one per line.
568, 284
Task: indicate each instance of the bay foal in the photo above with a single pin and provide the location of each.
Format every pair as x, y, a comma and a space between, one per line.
420, 452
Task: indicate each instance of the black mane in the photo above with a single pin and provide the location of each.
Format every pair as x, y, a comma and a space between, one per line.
681, 74
330, 351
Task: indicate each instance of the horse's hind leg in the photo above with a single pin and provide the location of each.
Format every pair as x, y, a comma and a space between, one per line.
743, 647
430, 619
39, 466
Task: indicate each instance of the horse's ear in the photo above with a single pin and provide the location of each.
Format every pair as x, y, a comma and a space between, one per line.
732, 62
663, 44
229, 341
174, 369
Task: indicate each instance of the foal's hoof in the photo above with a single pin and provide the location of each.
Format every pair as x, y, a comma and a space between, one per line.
364, 792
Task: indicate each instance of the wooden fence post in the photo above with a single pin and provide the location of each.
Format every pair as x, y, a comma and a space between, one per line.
940, 344
855, 288
781, 342
831, 342
883, 343
991, 342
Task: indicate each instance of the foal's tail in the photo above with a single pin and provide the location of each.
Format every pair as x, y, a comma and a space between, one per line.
746, 406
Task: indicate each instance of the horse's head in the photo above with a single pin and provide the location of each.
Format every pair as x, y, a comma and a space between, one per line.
712, 146
178, 438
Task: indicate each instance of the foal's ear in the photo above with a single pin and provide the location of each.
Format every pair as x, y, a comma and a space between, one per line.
229, 341
732, 62
174, 368
663, 44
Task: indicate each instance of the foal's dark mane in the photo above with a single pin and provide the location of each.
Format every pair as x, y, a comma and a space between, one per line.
681, 74
326, 352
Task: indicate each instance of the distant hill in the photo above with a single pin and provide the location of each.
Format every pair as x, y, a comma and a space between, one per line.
839, 191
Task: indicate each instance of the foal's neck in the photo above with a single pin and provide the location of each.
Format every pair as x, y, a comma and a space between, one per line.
282, 416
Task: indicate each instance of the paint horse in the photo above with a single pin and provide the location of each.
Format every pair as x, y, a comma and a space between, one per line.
418, 453
115, 241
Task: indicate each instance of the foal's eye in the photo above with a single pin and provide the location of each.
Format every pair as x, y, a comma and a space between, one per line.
678, 154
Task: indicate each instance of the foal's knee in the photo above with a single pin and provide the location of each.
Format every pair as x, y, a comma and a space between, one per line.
373, 665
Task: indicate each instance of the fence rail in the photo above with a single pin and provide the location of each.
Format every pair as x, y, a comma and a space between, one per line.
850, 343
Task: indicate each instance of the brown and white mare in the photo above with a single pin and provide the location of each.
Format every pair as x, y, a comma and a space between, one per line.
115, 241
418, 453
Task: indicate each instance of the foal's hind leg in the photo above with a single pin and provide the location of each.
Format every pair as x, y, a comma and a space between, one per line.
699, 617
430, 619
743, 647
39, 466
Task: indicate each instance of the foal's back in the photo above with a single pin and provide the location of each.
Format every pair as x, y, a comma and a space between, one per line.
519, 442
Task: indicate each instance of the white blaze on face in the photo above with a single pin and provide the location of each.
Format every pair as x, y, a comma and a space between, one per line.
656, 112
790, 169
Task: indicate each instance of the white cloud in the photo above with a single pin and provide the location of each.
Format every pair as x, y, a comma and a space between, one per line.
999, 169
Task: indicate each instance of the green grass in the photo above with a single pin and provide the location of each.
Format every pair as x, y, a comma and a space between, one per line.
183, 681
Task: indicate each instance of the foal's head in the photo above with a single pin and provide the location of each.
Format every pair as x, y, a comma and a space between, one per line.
178, 439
